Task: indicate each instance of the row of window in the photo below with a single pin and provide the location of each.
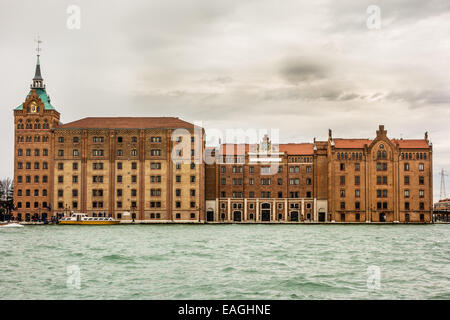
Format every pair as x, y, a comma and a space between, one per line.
265, 194
31, 126
223, 205
120, 139
37, 152
99, 179
31, 139
134, 153
265, 181
36, 179
348, 156
28, 192
300, 159
382, 205
36, 166
382, 166
381, 154
381, 193
99, 166
265, 169
414, 156
382, 180
36, 205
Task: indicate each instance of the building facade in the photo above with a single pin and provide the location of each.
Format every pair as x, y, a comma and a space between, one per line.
152, 170
147, 169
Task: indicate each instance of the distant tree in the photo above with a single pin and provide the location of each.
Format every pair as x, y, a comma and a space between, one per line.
7, 195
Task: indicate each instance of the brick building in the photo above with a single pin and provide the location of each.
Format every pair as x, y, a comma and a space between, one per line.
153, 169
105, 166
339, 180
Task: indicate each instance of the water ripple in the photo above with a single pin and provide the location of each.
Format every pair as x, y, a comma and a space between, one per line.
227, 262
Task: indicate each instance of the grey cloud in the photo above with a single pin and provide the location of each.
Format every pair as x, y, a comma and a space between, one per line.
420, 99
303, 69
295, 65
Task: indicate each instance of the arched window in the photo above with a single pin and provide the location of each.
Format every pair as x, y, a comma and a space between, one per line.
265, 206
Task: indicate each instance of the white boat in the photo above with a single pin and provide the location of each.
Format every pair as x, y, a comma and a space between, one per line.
84, 219
11, 225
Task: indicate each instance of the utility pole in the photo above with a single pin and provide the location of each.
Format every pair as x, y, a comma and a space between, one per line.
442, 193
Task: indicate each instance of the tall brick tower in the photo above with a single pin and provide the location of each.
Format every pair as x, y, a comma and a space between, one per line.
33, 152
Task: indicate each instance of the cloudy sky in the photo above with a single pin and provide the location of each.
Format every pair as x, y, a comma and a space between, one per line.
299, 66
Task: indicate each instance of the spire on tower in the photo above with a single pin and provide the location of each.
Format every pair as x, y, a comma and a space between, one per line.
38, 81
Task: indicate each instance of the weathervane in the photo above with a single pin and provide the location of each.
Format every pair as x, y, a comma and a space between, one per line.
39, 41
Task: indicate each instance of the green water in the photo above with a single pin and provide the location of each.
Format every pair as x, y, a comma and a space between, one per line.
226, 261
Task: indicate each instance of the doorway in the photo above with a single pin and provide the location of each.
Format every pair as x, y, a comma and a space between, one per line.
294, 216
322, 216
237, 216
382, 217
265, 212
210, 216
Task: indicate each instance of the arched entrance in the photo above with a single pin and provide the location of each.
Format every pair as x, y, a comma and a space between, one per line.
237, 216
294, 215
210, 215
382, 217
265, 212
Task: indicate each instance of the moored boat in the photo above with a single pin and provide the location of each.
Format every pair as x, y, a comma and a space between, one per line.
84, 219
11, 225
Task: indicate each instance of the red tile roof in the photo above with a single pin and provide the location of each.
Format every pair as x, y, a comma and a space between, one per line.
127, 123
297, 148
359, 143
288, 148
351, 143
411, 143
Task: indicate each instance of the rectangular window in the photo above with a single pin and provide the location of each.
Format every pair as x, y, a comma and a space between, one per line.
357, 180
155, 152
155, 165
